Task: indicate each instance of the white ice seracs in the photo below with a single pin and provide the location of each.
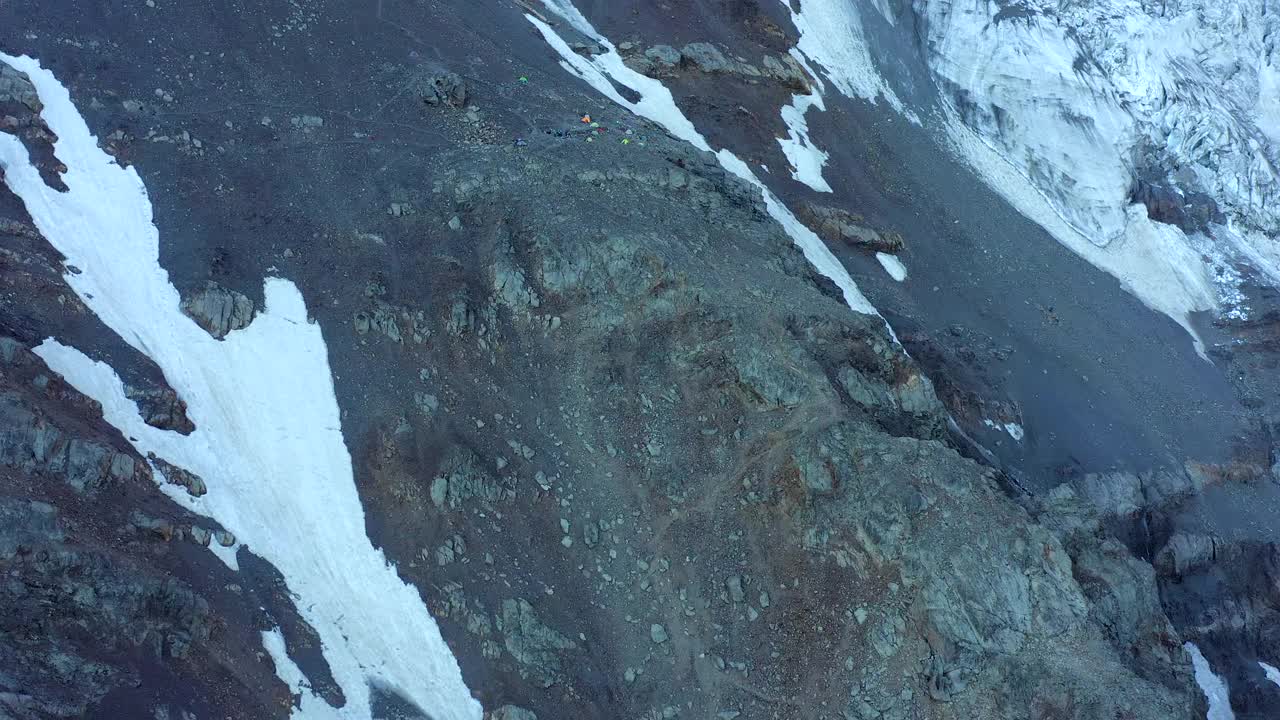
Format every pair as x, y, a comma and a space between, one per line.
1080, 98
268, 440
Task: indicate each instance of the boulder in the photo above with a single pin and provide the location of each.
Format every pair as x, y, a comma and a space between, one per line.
218, 310
446, 88
841, 226
706, 57
1185, 551
16, 87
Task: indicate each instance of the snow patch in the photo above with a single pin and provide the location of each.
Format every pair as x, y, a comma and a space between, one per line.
1271, 672
656, 103
831, 35
892, 265
227, 554
268, 440
1213, 686
1014, 430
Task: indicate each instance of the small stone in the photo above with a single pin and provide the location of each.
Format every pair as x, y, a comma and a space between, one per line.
567, 541
764, 599
664, 55
439, 488
657, 634
734, 584
455, 223
629, 675
224, 538
512, 712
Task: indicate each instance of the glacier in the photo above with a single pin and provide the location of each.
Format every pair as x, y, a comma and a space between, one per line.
268, 440
1094, 103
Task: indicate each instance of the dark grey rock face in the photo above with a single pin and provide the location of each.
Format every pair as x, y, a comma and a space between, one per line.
639, 458
712, 476
109, 607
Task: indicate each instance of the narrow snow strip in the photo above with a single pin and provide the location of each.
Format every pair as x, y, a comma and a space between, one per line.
1271, 672
1014, 430
657, 104
286, 668
1213, 686
892, 265
267, 441
831, 35
1153, 261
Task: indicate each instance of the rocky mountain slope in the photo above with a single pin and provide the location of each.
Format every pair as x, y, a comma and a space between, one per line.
631, 450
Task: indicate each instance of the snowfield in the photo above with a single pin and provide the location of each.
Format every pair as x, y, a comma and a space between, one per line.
267, 442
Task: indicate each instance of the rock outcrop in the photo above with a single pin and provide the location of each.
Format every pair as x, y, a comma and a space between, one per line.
218, 310
716, 477
836, 225
110, 607
706, 58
